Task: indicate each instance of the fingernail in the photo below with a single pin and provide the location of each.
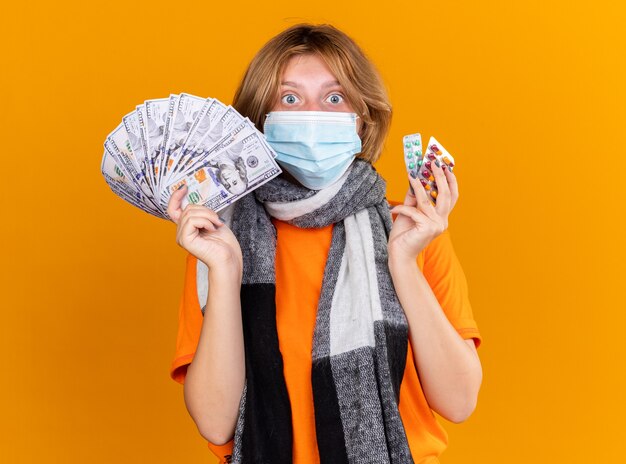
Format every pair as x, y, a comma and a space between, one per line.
437, 163
222, 219
413, 175
412, 191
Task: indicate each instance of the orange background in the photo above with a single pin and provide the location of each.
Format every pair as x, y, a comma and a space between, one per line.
528, 96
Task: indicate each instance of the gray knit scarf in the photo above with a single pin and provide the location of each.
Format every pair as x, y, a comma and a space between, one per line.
361, 331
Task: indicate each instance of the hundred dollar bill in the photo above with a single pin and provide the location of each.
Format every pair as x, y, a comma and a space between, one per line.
143, 134
223, 126
233, 123
156, 114
137, 192
133, 201
210, 106
124, 196
131, 124
237, 165
115, 175
118, 143
183, 114
167, 129
194, 149
122, 186
206, 120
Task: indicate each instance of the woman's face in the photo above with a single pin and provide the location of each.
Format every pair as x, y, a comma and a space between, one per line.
308, 85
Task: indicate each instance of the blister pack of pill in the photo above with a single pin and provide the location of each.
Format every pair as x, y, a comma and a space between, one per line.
418, 163
413, 153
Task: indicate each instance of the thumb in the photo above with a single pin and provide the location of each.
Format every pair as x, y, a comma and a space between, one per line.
174, 209
409, 198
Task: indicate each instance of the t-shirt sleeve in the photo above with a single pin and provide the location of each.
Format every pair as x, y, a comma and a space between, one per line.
444, 273
189, 323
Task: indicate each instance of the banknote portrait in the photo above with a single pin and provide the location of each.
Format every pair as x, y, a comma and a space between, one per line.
230, 170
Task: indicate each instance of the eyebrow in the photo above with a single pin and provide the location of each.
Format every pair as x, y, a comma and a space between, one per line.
326, 84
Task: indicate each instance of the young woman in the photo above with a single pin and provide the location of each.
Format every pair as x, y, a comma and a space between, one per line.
312, 327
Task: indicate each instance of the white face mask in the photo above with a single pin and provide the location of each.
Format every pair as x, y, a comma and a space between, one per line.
315, 147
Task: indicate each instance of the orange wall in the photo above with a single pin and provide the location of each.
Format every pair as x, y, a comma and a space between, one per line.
529, 98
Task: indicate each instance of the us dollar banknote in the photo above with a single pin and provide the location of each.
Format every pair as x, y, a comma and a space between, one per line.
185, 140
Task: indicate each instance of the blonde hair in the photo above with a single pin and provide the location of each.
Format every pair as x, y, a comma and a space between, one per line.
362, 85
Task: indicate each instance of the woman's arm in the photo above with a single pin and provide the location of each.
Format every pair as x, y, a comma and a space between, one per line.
215, 378
449, 369
448, 366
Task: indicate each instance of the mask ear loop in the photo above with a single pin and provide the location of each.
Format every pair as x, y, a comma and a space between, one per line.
262, 129
358, 132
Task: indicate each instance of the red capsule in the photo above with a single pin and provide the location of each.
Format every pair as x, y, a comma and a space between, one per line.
431, 156
423, 182
427, 164
426, 174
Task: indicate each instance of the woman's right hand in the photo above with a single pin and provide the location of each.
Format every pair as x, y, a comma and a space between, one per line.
201, 232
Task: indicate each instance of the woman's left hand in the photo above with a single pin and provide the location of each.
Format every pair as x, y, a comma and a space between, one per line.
419, 221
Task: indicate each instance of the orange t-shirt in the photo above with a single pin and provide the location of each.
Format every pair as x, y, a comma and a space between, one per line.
300, 260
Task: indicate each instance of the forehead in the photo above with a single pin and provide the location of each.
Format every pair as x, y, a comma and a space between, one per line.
301, 69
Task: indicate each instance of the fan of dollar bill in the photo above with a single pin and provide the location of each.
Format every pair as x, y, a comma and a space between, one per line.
186, 140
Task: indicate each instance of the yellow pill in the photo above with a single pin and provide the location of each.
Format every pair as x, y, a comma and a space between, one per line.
431, 178
427, 187
446, 160
433, 194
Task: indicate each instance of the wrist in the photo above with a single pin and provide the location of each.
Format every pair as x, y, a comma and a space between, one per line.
226, 274
400, 263
225, 282
398, 256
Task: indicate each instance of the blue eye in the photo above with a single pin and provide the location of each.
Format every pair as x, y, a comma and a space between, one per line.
290, 99
335, 99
